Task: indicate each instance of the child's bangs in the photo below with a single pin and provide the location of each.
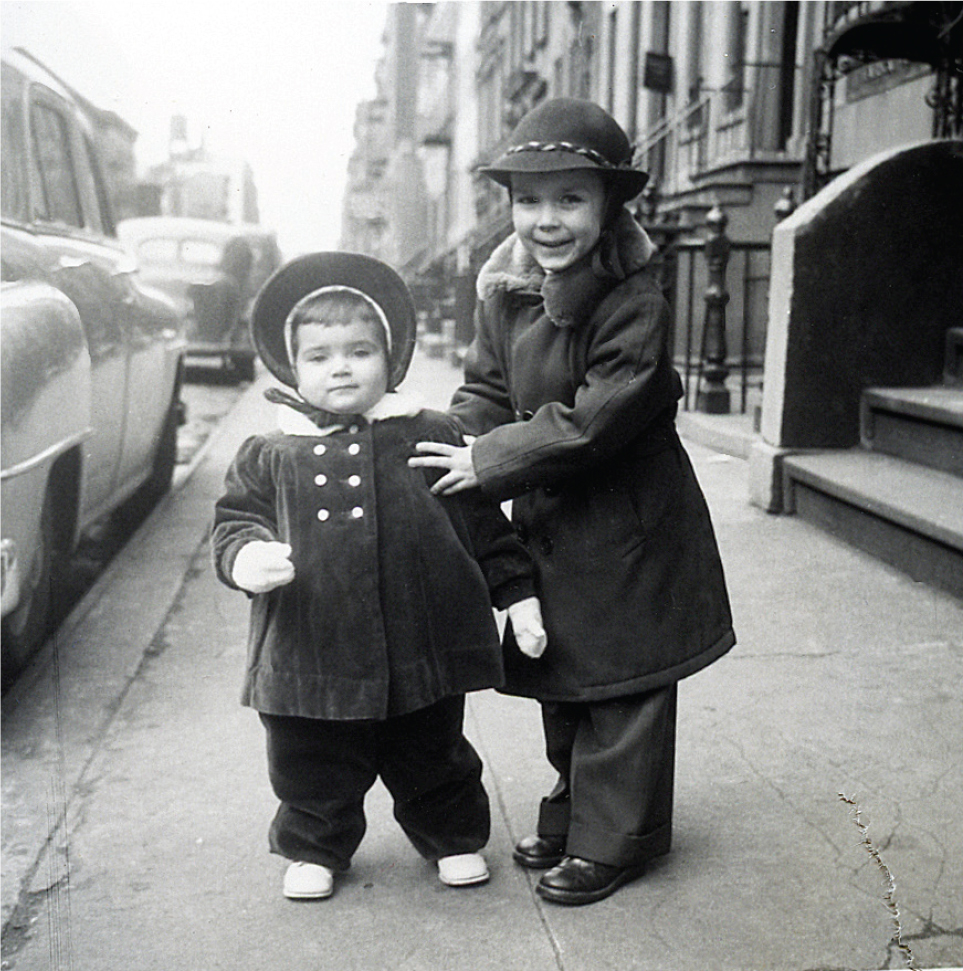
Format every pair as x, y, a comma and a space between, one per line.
336, 308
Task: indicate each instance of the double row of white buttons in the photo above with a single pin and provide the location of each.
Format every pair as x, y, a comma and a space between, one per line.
353, 449
354, 481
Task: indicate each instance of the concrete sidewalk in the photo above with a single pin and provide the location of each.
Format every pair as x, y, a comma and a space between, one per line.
136, 800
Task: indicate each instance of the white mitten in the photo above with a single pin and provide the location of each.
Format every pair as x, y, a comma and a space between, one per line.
260, 566
526, 618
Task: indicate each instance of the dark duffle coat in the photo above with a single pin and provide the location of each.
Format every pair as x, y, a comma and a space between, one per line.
570, 387
390, 608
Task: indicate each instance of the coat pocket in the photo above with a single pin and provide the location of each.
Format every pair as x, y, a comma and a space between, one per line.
653, 484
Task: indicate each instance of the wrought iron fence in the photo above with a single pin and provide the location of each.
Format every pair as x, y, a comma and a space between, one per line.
685, 282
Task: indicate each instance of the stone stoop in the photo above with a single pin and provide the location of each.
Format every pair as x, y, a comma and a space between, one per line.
899, 495
922, 425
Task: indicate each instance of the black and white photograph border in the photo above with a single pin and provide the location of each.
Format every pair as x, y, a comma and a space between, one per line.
805, 187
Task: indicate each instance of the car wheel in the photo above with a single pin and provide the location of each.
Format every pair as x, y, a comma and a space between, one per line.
242, 365
26, 628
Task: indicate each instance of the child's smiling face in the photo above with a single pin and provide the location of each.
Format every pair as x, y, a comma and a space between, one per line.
558, 215
341, 367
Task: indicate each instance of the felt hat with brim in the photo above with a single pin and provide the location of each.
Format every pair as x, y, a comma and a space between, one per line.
569, 133
307, 274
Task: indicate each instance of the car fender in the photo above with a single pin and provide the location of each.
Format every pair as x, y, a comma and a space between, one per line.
46, 411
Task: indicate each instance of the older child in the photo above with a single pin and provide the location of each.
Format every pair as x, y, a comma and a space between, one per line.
371, 612
572, 394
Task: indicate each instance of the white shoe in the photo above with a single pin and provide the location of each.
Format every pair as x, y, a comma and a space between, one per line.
308, 881
462, 870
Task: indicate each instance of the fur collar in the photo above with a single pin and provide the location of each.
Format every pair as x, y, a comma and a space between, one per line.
624, 249
395, 404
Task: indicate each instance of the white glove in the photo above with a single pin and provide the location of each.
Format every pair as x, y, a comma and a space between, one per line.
260, 566
526, 618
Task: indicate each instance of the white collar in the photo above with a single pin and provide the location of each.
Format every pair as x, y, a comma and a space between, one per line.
395, 404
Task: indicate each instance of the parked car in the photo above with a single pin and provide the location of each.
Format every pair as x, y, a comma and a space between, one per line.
92, 358
213, 270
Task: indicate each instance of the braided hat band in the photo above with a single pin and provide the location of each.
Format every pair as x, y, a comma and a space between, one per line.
597, 157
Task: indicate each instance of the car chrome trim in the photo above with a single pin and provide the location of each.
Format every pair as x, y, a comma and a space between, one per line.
54, 451
72, 262
9, 577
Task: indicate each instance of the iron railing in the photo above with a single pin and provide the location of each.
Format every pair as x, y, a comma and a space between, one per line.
747, 285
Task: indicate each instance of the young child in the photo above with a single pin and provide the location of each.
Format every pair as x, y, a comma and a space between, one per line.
372, 600
571, 393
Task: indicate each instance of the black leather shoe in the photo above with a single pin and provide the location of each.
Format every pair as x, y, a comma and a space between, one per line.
540, 852
577, 881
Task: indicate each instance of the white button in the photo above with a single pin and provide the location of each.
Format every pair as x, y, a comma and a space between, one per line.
354, 480
353, 448
323, 514
320, 480
357, 512
353, 430
320, 449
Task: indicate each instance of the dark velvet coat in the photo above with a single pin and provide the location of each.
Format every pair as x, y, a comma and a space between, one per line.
391, 606
570, 387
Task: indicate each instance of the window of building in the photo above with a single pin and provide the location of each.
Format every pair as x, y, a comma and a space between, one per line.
787, 72
660, 31
542, 13
737, 28
658, 104
612, 61
516, 34
694, 73
527, 17
491, 105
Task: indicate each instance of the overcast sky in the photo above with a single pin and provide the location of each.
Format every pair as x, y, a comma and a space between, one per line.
273, 82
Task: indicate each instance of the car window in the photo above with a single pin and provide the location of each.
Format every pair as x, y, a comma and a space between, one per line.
200, 252
158, 250
58, 200
13, 194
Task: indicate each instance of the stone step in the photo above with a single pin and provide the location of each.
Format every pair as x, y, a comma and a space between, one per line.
908, 515
923, 425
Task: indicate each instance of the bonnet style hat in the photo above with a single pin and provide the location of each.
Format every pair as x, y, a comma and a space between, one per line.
568, 133
308, 276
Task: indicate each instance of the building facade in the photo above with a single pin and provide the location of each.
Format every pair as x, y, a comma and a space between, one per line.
806, 165
746, 106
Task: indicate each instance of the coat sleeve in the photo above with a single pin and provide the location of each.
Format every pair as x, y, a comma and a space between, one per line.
482, 402
492, 542
247, 509
629, 383
504, 561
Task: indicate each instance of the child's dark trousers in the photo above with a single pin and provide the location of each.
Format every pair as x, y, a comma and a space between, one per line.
321, 771
616, 766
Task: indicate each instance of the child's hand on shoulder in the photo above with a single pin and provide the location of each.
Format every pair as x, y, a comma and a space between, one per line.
526, 618
454, 459
261, 566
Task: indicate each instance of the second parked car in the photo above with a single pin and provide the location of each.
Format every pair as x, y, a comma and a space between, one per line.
213, 270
